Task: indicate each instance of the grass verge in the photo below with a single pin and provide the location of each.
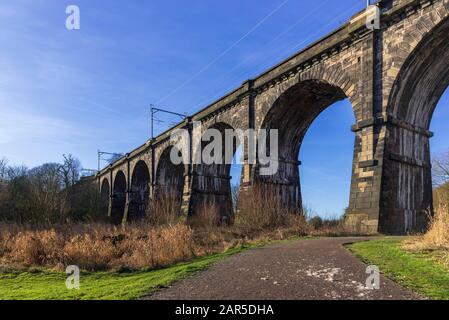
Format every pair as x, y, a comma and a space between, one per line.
48, 285
419, 271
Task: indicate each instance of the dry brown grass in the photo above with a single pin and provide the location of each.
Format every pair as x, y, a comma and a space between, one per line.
436, 239
437, 236
96, 246
262, 210
206, 218
333, 227
165, 209
162, 239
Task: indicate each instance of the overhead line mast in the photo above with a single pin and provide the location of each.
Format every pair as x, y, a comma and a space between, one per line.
154, 110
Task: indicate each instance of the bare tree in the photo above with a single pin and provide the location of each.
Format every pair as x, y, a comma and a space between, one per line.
70, 171
235, 193
3, 184
3, 166
16, 172
15, 195
440, 169
49, 193
440, 179
46, 185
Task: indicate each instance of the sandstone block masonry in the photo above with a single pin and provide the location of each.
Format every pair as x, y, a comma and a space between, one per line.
393, 77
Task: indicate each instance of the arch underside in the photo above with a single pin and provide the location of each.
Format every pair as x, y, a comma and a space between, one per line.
140, 192
211, 183
105, 192
118, 198
292, 114
169, 182
407, 184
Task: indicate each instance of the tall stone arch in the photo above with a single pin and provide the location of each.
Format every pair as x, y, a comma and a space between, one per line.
407, 179
292, 113
139, 191
119, 197
211, 182
169, 179
105, 195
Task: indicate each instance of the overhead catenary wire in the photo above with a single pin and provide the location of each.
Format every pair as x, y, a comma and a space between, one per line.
285, 31
284, 49
223, 53
113, 157
154, 110
289, 49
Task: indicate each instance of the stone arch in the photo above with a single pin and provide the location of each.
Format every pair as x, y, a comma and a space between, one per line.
407, 184
211, 182
169, 179
233, 117
330, 73
334, 76
105, 194
139, 160
291, 114
118, 197
139, 191
422, 79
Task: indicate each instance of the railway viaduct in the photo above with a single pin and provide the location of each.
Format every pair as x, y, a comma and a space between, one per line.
393, 76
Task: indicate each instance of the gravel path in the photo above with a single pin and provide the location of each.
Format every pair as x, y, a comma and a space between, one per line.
297, 270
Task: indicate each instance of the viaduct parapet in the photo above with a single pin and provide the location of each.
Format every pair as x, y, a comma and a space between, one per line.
393, 76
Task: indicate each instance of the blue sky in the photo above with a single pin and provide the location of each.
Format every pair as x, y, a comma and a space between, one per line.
78, 91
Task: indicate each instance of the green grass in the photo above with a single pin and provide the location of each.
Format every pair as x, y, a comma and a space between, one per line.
418, 271
48, 285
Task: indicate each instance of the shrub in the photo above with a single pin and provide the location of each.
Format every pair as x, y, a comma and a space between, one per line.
437, 237
316, 222
206, 217
262, 209
96, 246
165, 209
